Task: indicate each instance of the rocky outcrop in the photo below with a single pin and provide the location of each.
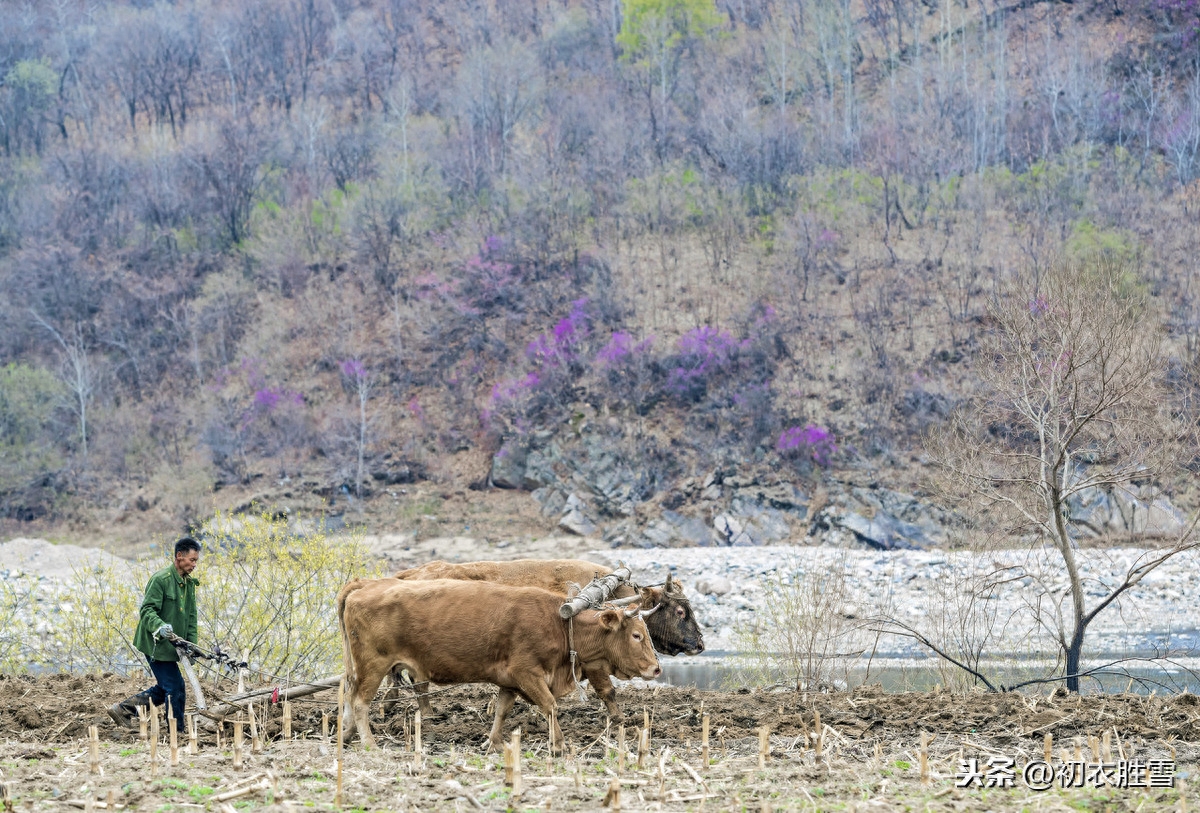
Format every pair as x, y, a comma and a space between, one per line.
588, 487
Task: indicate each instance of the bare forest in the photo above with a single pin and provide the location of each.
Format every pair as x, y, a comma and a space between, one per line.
336, 247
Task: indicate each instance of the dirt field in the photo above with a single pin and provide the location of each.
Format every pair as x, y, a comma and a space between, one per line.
870, 756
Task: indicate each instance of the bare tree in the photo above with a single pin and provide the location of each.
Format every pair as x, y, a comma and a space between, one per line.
78, 373
1071, 400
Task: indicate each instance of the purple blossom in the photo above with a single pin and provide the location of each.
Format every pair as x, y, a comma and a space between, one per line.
618, 347
353, 369
1039, 306
512, 388
812, 441
268, 399
559, 344
703, 352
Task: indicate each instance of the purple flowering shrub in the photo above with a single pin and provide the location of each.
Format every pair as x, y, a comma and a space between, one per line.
471, 310
720, 378
538, 394
811, 444
626, 372
705, 354
250, 416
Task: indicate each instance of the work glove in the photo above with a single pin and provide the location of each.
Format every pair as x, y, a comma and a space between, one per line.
165, 631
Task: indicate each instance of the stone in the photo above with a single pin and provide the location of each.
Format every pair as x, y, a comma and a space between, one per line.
508, 465
538, 472
575, 522
714, 586
727, 528
884, 532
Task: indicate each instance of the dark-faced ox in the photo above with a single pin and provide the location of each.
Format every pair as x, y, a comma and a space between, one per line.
673, 628
453, 631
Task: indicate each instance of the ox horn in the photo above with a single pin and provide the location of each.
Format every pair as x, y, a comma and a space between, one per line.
651, 611
625, 602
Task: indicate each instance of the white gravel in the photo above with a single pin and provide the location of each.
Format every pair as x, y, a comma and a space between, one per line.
925, 589
928, 590
41, 558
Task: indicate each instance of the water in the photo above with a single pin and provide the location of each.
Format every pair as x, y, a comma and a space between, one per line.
718, 671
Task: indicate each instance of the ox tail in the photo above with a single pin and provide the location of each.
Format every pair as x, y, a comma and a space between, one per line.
350, 674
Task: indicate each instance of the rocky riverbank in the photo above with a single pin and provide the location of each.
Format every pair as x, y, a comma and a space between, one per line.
999, 599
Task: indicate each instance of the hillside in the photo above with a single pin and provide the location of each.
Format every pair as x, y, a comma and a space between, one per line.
407, 265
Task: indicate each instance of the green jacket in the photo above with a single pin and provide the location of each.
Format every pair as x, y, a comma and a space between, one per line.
170, 599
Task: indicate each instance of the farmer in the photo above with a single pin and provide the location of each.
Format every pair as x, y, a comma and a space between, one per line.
169, 609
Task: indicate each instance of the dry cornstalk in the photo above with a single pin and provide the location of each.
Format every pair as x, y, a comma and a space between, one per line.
695, 776
94, 750
1094, 746
337, 796
508, 766
1078, 749
818, 734
643, 748
612, 799
287, 720
1106, 745
143, 722
237, 744
193, 746
86, 803
153, 740
325, 724
246, 790
418, 745
1048, 747
704, 740
923, 755
515, 745
174, 734
255, 740
764, 746
620, 749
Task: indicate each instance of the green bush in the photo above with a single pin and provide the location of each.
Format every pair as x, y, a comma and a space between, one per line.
264, 590
270, 592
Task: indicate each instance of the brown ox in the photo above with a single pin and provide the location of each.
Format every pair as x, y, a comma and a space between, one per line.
451, 631
673, 627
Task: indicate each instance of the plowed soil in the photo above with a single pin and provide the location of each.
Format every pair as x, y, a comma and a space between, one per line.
869, 752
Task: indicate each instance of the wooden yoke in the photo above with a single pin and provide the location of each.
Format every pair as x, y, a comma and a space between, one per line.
596, 592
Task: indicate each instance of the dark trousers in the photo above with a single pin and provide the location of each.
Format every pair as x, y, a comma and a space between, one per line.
170, 687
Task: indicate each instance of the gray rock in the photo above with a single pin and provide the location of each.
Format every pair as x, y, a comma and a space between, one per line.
539, 471
553, 501
688, 530
727, 528
577, 519
1100, 512
885, 532
714, 586
508, 465
574, 521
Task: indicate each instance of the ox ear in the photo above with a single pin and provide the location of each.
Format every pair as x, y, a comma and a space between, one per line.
610, 619
652, 596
